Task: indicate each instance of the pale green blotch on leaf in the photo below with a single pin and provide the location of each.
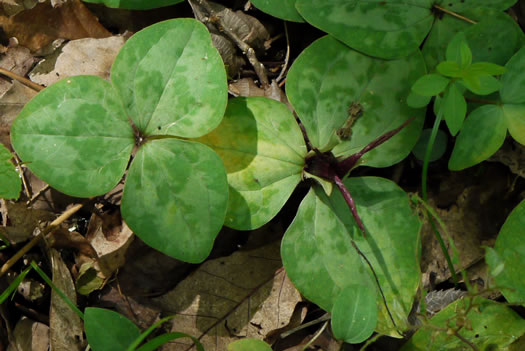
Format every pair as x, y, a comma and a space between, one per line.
328, 77
175, 197
172, 79
10, 182
135, 4
283, 9
387, 29
507, 259
75, 136
319, 258
263, 150
107, 330
492, 326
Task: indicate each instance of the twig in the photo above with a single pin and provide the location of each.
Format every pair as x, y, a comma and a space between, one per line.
286, 57
321, 319
49, 229
21, 172
21, 79
318, 334
457, 15
260, 70
40, 192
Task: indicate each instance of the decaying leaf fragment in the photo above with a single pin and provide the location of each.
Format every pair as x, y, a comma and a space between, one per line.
243, 295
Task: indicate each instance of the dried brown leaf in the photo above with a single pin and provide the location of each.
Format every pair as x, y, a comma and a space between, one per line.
244, 295
38, 27
30, 335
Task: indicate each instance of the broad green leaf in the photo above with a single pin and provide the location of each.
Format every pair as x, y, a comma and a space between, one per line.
507, 259
354, 316
263, 151
449, 69
387, 29
284, 9
107, 330
454, 109
495, 38
481, 136
10, 182
462, 5
135, 4
480, 85
430, 84
440, 145
249, 345
75, 136
320, 260
328, 77
491, 326
513, 81
171, 79
175, 197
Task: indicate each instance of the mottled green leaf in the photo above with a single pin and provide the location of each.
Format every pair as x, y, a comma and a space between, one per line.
135, 4
495, 38
507, 259
175, 197
10, 182
481, 136
249, 345
449, 69
75, 136
171, 79
454, 109
430, 84
492, 326
320, 260
328, 77
284, 9
513, 81
386, 29
462, 5
263, 151
354, 316
107, 330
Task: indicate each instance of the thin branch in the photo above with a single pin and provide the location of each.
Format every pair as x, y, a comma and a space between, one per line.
457, 15
22, 80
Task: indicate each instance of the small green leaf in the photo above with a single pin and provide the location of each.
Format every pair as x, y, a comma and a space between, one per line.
465, 55
263, 150
417, 101
481, 136
440, 145
449, 69
75, 136
507, 261
456, 51
354, 315
515, 117
249, 345
454, 109
107, 330
430, 84
135, 4
481, 68
10, 183
320, 260
175, 197
172, 79
322, 95
387, 29
481, 85
491, 326
283, 9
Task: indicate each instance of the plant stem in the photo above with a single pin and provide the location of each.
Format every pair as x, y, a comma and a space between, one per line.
426, 162
350, 202
452, 13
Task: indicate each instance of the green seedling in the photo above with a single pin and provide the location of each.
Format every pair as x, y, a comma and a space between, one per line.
168, 85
